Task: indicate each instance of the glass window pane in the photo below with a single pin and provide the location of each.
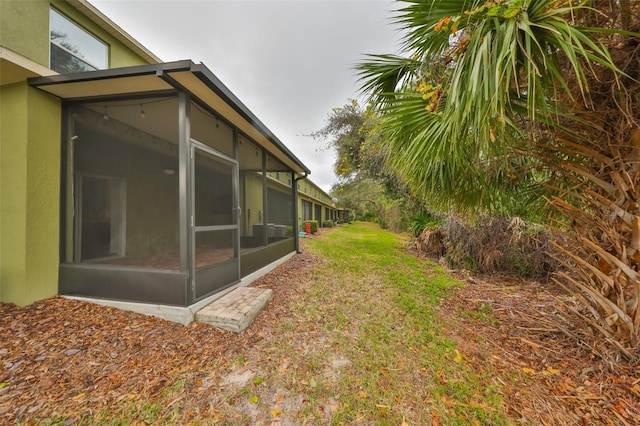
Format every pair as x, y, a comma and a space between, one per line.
64, 63
307, 210
71, 44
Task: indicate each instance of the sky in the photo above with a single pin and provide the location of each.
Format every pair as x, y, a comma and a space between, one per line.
290, 62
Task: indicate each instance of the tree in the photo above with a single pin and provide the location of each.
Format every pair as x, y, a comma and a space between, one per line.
493, 107
351, 131
366, 184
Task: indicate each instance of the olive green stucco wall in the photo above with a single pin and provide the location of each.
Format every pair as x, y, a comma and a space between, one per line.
30, 132
29, 193
24, 28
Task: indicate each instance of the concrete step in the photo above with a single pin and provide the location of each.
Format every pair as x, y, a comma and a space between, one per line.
236, 310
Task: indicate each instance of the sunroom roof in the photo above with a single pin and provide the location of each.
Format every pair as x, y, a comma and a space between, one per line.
187, 76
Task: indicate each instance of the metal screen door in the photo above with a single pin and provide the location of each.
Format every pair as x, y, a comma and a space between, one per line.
215, 239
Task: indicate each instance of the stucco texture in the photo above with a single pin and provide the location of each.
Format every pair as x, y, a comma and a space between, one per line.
29, 194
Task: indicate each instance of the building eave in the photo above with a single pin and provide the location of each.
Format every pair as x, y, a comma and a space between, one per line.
187, 76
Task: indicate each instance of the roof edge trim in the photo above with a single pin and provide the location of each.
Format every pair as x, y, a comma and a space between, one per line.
215, 84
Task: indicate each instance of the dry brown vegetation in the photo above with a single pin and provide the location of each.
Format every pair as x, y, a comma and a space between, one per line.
68, 361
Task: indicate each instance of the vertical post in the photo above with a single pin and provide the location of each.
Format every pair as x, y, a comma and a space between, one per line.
236, 199
265, 202
185, 197
67, 213
296, 224
294, 194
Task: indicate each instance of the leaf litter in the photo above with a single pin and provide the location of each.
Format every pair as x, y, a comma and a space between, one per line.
67, 360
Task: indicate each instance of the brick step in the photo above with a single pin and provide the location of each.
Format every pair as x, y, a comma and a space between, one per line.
236, 310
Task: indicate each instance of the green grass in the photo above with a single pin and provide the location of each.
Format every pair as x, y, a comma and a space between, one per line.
376, 304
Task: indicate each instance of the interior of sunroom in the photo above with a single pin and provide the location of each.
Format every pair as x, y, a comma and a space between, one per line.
129, 188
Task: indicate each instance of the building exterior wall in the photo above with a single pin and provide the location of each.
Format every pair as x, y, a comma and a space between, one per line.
30, 132
24, 28
310, 192
30, 194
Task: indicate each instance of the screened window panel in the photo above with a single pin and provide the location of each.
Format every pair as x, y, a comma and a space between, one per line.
208, 129
213, 191
213, 247
279, 213
252, 202
126, 206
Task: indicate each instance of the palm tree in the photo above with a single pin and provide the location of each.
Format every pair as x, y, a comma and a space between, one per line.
493, 106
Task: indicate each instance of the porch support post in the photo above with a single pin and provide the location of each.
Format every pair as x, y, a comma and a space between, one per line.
296, 224
265, 202
184, 199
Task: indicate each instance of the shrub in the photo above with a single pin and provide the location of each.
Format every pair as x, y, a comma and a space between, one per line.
492, 245
419, 223
328, 224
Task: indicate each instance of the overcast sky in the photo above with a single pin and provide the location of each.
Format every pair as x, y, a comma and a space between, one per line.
289, 62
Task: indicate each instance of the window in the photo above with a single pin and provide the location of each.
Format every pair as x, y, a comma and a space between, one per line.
307, 210
73, 49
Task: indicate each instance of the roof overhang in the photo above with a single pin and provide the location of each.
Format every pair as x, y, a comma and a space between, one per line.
15, 67
186, 76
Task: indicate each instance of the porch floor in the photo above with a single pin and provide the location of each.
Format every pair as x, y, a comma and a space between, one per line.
236, 310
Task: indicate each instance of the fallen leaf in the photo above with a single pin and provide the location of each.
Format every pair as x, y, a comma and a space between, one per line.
550, 371
529, 371
254, 399
275, 412
382, 409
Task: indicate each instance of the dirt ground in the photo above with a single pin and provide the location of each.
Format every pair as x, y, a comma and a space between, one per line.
67, 360
507, 326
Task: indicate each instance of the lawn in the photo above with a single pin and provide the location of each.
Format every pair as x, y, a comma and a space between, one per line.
360, 331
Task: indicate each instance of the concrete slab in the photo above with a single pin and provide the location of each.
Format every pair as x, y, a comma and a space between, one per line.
236, 310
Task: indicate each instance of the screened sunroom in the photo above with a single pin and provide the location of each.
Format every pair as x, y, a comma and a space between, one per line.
172, 190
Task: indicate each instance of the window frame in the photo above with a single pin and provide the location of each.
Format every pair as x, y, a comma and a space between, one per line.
75, 56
